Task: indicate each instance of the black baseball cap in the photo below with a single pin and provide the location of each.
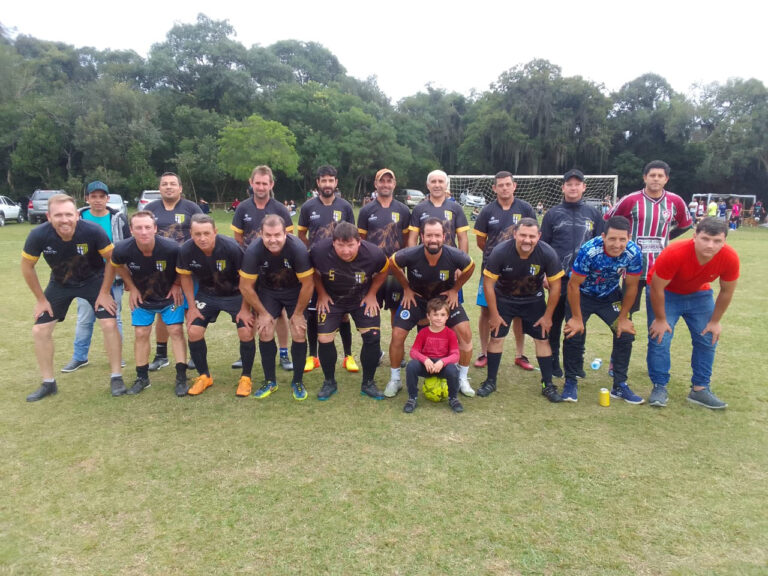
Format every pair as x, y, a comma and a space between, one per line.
573, 174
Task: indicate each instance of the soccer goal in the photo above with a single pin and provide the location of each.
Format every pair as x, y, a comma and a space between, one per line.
534, 189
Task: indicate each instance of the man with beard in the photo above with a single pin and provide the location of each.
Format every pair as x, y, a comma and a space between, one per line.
431, 273
317, 218
348, 274
276, 277
438, 205
514, 287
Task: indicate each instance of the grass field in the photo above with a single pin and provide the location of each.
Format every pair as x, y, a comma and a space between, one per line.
159, 485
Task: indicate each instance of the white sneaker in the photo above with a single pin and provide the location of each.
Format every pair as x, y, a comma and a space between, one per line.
393, 387
465, 388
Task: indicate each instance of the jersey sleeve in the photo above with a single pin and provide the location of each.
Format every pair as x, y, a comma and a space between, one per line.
118, 257
362, 219
682, 216
635, 267
304, 216
249, 268
349, 213
380, 260
493, 264
415, 218
238, 225
405, 217
621, 208
182, 261
481, 224
581, 262
301, 263
33, 246
552, 267
461, 219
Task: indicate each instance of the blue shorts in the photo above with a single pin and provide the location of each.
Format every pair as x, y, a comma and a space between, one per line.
481, 294
171, 314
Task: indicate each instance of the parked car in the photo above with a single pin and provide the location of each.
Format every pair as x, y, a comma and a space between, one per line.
116, 202
466, 198
410, 197
148, 196
10, 211
38, 205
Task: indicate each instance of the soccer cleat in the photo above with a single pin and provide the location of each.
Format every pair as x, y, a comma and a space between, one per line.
299, 392
349, 364
286, 364
266, 389
244, 387
455, 405
327, 390
487, 388
570, 392
117, 386
73, 365
523, 362
465, 388
202, 382
410, 406
392, 388
138, 386
704, 397
624, 392
46, 389
371, 390
158, 362
181, 388
549, 391
191, 365
482, 361
237, 364
658, 396
311, 363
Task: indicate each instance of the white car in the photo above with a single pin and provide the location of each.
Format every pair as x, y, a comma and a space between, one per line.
148, 196
9, 211
116, 202
472, 200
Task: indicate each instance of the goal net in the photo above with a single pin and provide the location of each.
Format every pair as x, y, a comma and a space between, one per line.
534, 189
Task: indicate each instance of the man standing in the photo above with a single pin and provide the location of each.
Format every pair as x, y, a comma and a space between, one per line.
246, 224
75, 250
173, 215
348, 274
495, 224
116, 226
712, 208
437, 205
276, 277
594, 288
566, 227
431, 273
317, 219
514, 288
679, 287
148, 265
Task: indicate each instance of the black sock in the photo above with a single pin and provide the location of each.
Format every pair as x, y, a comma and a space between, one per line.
181, 369
142, 371
545, 365
494, 360
161, 349
299, 355
247, 354
369, 358
328, 357
199, 353
345, 331
268, 351
312, 333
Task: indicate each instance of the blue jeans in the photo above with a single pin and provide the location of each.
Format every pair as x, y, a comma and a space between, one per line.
85, 320
696, 309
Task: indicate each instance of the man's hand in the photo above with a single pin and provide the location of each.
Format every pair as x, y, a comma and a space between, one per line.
245, 317
371, 305
624, 325
409, 298
572, 327
324, 303
713, 328
176, 293
193, 314
298, 323
264, 322
107, 302
134, 299
546, 325
658, 328
495, 321
42, 306
452, 297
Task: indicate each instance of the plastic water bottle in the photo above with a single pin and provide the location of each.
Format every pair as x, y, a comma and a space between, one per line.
596, 363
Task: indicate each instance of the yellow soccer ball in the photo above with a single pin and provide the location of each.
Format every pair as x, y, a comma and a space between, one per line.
435, 388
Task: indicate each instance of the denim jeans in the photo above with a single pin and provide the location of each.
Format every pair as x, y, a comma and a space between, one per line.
696, 309
85, 320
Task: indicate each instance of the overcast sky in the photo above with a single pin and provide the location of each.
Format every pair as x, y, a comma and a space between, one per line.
453, 45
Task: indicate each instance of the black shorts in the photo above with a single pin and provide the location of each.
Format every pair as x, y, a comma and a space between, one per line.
275, 302
60, 297
407, 318
528, 311
390, 294
329, 322
210, 306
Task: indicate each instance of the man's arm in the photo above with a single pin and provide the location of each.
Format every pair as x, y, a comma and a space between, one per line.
494, 318
553, 297
370, 301
462, 241
30, 277
239, 238
413, 237
575, 324
623, 323
721, 305
303, 236
409, 296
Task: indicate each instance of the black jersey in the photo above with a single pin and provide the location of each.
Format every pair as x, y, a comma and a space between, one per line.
174, 224
497, 225
217, 274
522, 279
73, 262
248, 218
277, 272
429, 281
153, 275
385, 226
348, 282
319, 219
450, 213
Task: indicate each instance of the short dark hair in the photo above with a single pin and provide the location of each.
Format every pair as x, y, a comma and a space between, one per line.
656, 164
164, 174
436, 304
432, 221
345, 231
501, 175
712, 226
327, 170
617, 223
203, 219
527, 222
142, 214
272, 220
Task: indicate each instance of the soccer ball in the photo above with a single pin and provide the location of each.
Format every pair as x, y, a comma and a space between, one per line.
435, 388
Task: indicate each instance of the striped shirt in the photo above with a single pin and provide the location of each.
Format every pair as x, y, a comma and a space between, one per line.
652, 219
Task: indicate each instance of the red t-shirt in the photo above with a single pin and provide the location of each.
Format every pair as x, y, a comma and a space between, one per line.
678, 263
441, 345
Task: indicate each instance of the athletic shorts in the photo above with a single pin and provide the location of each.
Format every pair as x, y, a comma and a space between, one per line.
210, 306
390, 294
407, 318
329, 322
275, 302
528, 311
481, 301
60, 297
171, 315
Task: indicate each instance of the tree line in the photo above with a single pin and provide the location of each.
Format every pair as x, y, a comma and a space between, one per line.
209, 108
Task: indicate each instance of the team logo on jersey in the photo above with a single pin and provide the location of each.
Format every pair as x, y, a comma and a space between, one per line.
179, 218
160, 265
590, 225
534, 269
286, 263
405, 314
396, 297
667, 215
221, 265
448, 215
444, 274
616, 306
337, 215
359, 277
395, 217
516, 218
82, 249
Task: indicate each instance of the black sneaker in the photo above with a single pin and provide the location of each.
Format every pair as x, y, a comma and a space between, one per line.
181, 386
117, 386
73, 365
410, 406
370, 389
486, 388
46, 389
455, 405
138, 386
158, 362
550, 393
327, 390
191, 365
237, 364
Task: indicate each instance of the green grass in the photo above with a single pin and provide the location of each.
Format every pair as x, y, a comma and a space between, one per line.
515, 485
